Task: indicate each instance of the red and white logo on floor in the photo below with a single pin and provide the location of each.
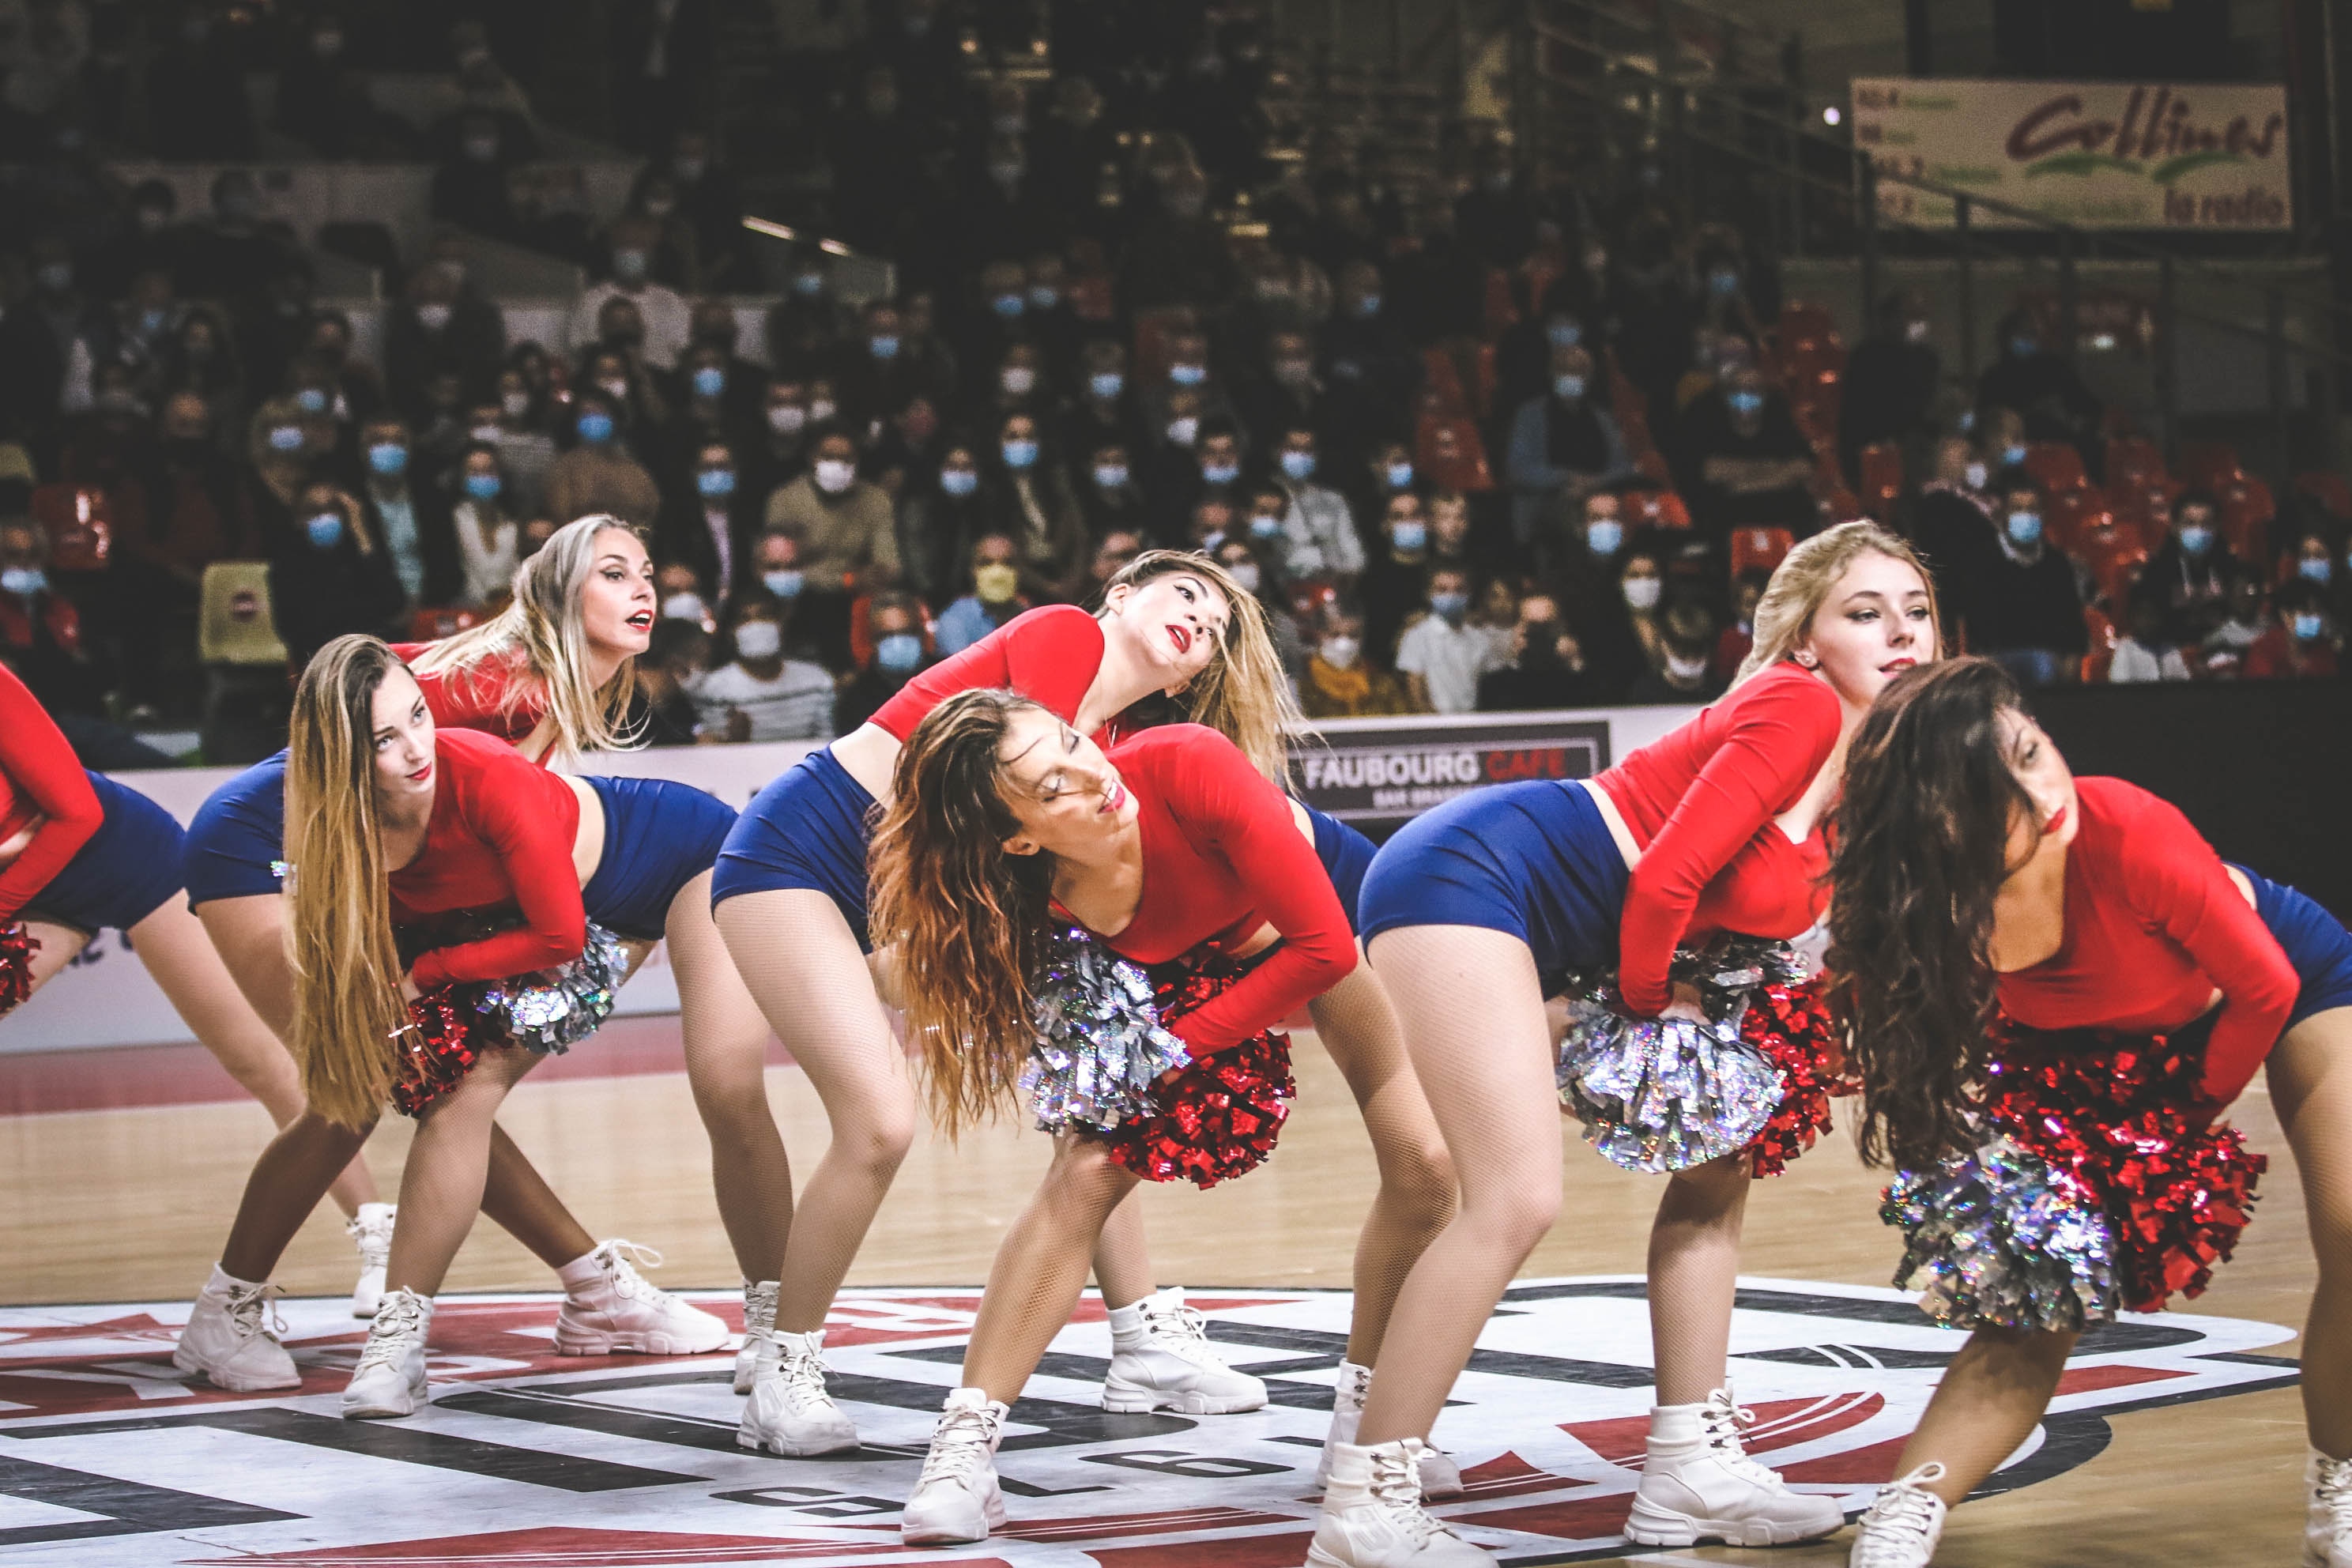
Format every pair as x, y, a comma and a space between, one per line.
110, 1456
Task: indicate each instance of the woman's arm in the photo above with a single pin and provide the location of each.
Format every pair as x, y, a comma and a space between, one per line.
41, 764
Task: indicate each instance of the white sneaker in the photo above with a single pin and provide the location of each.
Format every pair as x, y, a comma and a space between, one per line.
957, 1499
389, 1381
788, 1412
620, 1311
232, 1337
1698, 1484
1903, 1525
1372, 1516
371, 1228
756, 1356
1441, 1477
1160, 1360
2328, 1528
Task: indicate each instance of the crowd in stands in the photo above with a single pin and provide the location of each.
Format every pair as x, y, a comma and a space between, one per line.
1476, 444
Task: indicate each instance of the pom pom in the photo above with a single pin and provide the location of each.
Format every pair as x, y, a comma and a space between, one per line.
1996, 1237
1219, 1117
552, 1010
1791, 1028
1100, 1051
437, 1049
17, 946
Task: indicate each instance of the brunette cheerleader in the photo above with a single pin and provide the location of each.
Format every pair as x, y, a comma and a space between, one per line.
791, 888
1477, 910
2134, 985
1173, 851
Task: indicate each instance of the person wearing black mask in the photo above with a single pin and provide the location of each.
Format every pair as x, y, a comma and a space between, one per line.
1562, 448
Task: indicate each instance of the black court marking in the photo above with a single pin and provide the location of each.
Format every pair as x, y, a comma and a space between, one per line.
129, 1508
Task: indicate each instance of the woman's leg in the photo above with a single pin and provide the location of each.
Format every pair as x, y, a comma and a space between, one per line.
2311, 1088
1122, 1259
725, 1063
448, 1164
56, 946
1041, 1266
1471, 1009
1987, 1403
1694, 1270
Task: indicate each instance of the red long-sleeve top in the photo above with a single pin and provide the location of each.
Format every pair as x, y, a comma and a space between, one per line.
1048, 655
500, 835
39, 777
475, 697
1700, 803
2154, 926
1222, 857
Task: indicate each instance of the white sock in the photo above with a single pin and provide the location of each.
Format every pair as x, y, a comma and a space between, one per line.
374, 1211
1126, 1325
1674, 1426
222, 1282
581, 1275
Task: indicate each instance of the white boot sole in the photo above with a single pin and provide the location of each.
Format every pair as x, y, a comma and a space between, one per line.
1130, 1401
629, 1342
993, 1514
806, 1448
386, 1410
1651, 1525
235, 1382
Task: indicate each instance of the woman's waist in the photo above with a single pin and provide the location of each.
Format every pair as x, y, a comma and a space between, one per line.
2044, 1008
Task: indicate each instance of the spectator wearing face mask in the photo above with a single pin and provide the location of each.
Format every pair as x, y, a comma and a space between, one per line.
1190, 387
897, 623
1442, 655
1562, 446
1340, 682
1951, 522
489, 530
49, 339
676, 657
2312, 557
2040, 383
1321, 532
1396, 582
2141, 653
409, 514
527, 448
940, 515
435, 326
1104, 409
1117, 550
1744, 463
709, 521
668, 321
1238, 555
1370, 370
2193, 571
1544, 669
1036, 506
1288, 393
2248, 619
329, 574
1641, 592
779, 698
1892, 378
1523, 356
1386, 472
1213, 475
780, 453
849, 541
40, 630
2300, 643
1110, 499
1682, 670
994, 599
2028, 611
600, 473
808, 328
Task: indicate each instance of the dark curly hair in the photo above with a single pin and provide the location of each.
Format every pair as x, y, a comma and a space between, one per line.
1921, 836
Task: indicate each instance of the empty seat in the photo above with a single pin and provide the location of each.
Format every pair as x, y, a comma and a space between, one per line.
79, 522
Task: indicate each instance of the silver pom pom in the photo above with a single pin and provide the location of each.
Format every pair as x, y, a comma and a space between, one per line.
1666, 1094
1100, 1050
552, 1010
1997, 1238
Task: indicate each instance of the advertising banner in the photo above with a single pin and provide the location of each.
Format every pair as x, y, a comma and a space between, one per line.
2098, 155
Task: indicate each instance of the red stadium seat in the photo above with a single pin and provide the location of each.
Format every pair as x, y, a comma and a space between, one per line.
1655, 509
2208, 465
79, 522
1881, 479
1760, 549
2330, 488
431, 624
2066, 511
2057, 464
2132, 460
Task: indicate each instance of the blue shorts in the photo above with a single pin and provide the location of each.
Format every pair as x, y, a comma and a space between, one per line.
1345, 854
807, 829
128, 869
237, 845
659, 835
2315, 941
1534, 860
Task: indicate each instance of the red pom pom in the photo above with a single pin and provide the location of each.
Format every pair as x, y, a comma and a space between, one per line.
1218, 1118
436, 1050
2121, 1114
1792, 1026
17, 948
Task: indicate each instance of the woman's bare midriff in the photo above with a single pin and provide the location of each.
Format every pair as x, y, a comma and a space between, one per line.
869, 755
15, 843
1626, 845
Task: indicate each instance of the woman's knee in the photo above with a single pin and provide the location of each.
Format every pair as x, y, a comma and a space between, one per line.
1420, 1178
1512, 1221
877, 1139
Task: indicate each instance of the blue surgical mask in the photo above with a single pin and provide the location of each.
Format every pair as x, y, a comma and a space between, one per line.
631, 266
709, 381
1106, 384
1188, 374
1009, 305
783, 582
1220, 473
1109, 476
884, 345
1747, 402
1369, 306
2196, 539
483, 486
1409, 536
715, 482
1568, 387
24, 581
1564, 334
808, 285
1604, 535
2012, 455
1044, 296
1450, 607
1298, 466
311, 400
1264, 525
389, 458
959, 481
1723, 281
285, 437
595, 429
1019, 453
326, 530
899, 652
1399, 475
2024, 529
2023, 348
2308, 625
2314, 569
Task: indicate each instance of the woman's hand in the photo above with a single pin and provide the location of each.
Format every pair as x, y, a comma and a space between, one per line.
1686, 1004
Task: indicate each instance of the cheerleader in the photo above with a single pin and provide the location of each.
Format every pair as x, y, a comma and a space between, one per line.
1173, 851
1975, 878
791, 892
1475, 911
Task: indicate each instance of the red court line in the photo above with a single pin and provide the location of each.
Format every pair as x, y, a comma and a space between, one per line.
41, 1083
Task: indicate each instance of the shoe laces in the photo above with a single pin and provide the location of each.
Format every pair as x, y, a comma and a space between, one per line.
1900, 1519
1396, 1487
1721, 1421
2331, 1488
963, 1443
1181, 1330
253, 1311
627, 1282
802, 1372
398, 1321
760, 1304
373, 1234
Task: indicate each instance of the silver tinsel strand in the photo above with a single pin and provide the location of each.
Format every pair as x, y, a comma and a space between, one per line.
1996, 1237
552, 1010
1100, 1050
1666, 1094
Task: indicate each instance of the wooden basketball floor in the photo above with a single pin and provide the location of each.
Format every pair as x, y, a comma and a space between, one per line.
128, 1204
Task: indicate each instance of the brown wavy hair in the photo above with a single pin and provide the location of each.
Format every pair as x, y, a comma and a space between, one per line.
969, 920
1921, 849
1245, 694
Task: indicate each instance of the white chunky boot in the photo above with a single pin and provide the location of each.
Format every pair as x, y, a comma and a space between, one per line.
1441, 1477
389, 1381
2327, 1527
1905, 1521
1698, 1484
788, 1412
610, 1309
372, 1229
1372, 1516
1160, 1360
757, 1354
232, 1337
957, 1499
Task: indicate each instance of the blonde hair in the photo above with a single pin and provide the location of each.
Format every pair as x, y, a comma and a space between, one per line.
347, 971
1784, 616
543, 631
1244, 693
